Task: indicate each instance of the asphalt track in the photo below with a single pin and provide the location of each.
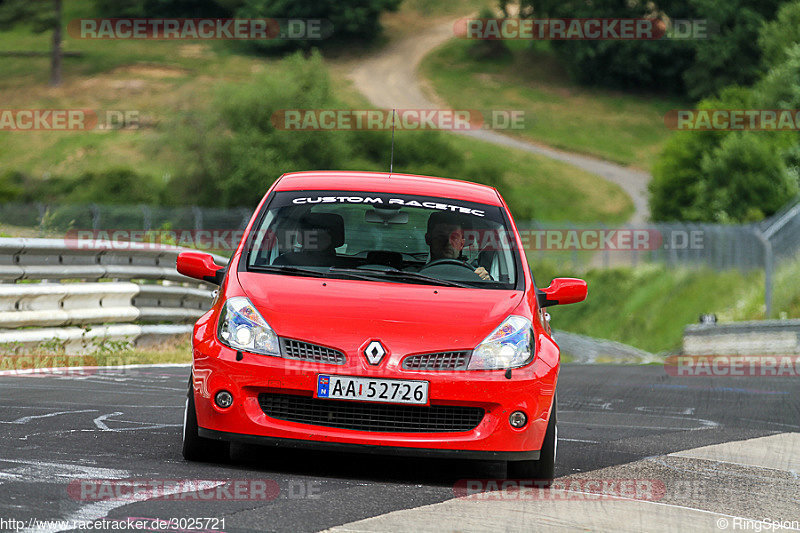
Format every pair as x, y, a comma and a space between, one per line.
615, 422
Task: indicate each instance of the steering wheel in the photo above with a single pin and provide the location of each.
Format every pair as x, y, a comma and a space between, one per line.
453, 262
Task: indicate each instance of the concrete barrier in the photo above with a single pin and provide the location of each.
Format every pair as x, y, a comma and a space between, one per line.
763, 337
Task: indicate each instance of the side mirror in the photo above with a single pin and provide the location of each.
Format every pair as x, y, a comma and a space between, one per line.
562, 291
200, 266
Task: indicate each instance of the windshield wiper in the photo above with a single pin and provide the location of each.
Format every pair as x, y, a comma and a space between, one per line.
286, 269
299, 271
415, 276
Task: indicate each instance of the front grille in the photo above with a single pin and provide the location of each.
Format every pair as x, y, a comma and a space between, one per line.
437, 361
365, 416
311, 352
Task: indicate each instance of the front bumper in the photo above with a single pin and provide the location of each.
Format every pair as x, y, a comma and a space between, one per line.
530, 389
368, 448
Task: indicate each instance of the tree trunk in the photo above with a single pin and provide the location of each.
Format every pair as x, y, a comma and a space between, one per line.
55, 64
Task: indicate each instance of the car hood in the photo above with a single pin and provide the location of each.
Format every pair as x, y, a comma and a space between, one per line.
347, 314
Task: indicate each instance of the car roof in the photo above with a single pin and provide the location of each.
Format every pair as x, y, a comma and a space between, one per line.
388, 183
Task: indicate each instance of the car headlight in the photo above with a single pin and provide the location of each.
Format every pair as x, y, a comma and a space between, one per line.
508, 346
242, 327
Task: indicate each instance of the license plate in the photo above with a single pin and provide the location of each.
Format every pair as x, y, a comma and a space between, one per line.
372, 390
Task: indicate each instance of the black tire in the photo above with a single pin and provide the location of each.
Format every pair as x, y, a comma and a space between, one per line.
195, 447
541, 471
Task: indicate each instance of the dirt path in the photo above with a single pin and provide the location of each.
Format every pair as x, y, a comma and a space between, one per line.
389, 79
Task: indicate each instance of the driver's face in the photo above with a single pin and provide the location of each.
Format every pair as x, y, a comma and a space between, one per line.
446, 241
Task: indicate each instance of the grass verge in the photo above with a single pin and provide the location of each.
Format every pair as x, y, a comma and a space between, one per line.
621, 127
648, 307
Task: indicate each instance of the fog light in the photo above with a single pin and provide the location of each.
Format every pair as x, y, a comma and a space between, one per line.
223, 399
518, 419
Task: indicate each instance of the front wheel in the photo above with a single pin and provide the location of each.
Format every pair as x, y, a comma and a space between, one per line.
542, 470
195, 447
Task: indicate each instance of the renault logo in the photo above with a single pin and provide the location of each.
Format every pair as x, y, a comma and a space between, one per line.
374, 352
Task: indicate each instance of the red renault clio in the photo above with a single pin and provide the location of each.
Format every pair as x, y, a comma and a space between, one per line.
382, 313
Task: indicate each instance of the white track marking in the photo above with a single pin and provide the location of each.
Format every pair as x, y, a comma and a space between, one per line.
704, 424
98, 510
100, 421
778, 452
712, 470
666, 410
41, 471
26, 419
56, 370
793, 426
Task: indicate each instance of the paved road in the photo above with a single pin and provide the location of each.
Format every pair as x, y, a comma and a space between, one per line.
617, 421
389, 79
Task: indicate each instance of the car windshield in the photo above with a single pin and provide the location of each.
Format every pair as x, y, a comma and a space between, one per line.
384, 237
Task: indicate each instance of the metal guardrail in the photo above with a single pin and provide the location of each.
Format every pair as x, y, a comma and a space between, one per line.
54, 259
50, 291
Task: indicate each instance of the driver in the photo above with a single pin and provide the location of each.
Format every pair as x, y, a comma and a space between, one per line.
445, 237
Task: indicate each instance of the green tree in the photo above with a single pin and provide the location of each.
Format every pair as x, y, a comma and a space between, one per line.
164, 8
349, 19
697, 67
733, 176
43, 16
640, 65
731, 56
780, 35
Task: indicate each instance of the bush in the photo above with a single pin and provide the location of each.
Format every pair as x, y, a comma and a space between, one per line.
114, 186
12, 186
745, 179
237, 151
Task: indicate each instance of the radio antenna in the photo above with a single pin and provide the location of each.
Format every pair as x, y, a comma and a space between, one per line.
391, 158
